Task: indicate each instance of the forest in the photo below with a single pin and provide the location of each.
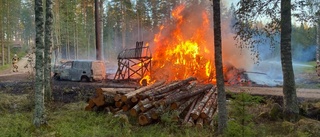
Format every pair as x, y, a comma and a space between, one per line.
250, 67
124, 22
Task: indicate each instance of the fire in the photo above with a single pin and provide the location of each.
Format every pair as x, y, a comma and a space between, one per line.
147, 79
185, 49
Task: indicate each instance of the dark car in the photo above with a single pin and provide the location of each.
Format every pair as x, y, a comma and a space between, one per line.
81, 70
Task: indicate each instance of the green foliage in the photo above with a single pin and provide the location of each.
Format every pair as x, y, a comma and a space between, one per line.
69, 120
235, 129
4, 67
241, 123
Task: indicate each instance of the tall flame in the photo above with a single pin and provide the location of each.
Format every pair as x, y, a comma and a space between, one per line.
184, 49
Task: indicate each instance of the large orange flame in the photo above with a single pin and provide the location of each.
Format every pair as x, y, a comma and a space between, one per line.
184, 49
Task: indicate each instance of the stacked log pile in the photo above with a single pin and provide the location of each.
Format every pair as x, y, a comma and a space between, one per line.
188, 102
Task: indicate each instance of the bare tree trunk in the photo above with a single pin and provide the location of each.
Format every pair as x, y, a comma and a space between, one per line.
101, 28
1, 36
222, 113
8, 33
47, 51
318, 46
98, 31
291, 109
39, 88
123, 11
318, 41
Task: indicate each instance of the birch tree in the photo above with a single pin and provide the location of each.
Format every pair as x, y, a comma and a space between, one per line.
39, 88
248, 12
47, 51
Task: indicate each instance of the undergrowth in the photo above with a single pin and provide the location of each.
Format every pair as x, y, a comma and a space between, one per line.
70, 120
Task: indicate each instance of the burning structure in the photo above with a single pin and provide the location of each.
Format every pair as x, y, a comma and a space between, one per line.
183, 47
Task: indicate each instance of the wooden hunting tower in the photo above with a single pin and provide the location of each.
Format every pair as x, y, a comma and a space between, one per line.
134, 63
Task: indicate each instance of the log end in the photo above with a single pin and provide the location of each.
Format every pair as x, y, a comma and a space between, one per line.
144, 120
117, 97
173, 106
154, 115
203, 115
125, 108
133, 112
119, 104
124, 98
194, 116
134, 99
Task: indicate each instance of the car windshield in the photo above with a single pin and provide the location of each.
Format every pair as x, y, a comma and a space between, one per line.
81, 64
67, 65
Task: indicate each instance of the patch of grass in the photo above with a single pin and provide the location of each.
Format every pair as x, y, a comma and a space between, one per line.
309, 68
5, 67
70, 120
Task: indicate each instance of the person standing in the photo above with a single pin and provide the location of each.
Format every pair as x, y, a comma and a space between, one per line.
15, 60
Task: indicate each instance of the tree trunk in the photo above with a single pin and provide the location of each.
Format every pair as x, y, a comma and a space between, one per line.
98, 31
101, 30
143, 89
39, 88
318, 42
47, 51
291, 109
181, 96
222, 114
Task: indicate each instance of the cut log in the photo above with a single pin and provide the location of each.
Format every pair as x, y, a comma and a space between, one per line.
183, 103
150, 92
199, 123
189, 123
117, 97
114, 110
173, 86
115, 91
135, 110
196, 111
205, 111
144, 119
186, 118
211, 112
99, 101
156, 112
181, 96
119, 104
193, 84
146, 107
143, 89
134, 99
164, 95
143, 102
177, 113
127, 107
90, 105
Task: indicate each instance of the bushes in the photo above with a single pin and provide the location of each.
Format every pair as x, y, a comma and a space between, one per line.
241, 120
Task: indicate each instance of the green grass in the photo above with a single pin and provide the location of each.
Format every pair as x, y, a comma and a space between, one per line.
70, 120
307, 69
4, 67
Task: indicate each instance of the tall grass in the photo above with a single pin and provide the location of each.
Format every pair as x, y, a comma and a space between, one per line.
70, 120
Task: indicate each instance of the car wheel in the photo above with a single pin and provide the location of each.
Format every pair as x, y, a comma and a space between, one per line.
56, 77
85, 79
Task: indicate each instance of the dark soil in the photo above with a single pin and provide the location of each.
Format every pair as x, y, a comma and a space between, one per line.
63, 91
